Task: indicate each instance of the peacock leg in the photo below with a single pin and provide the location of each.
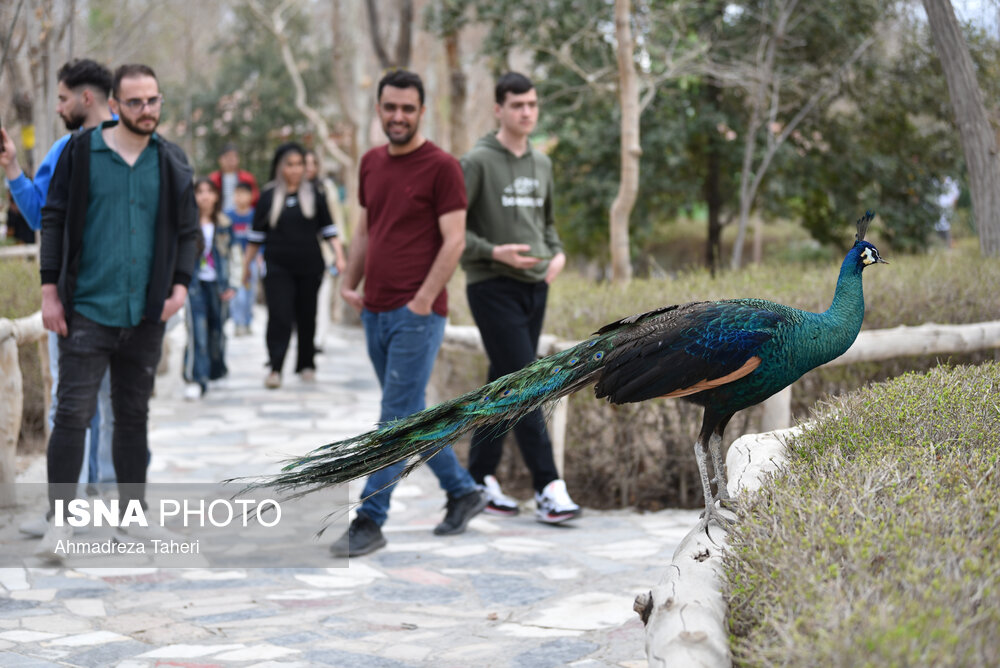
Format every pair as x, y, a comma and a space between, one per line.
712, 512
706, 485
721, 483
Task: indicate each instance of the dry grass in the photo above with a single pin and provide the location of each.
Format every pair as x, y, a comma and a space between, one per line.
879, 545
956, 286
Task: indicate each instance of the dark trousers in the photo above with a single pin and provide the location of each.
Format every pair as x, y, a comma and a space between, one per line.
84, 355
509, 314
291, 300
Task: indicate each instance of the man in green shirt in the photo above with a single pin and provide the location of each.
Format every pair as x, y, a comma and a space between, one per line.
119, 244
512, 254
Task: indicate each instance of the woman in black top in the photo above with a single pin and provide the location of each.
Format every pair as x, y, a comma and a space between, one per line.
290, 219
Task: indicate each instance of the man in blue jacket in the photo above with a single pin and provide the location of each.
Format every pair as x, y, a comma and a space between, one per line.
82, 90
119, 244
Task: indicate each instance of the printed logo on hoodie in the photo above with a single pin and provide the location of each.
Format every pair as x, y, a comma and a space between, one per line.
522, 192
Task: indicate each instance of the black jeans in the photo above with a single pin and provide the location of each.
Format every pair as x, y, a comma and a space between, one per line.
291, 300
84, 355
509, 314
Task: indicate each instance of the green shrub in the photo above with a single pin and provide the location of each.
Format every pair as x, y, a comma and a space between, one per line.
878, 544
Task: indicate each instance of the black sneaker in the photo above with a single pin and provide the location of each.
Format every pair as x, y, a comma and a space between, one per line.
362, 537
460, 511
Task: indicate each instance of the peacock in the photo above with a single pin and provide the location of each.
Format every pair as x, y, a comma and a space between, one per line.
722, 355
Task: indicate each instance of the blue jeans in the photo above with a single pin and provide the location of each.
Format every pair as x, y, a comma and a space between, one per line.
402, 346
204, 355
241, 307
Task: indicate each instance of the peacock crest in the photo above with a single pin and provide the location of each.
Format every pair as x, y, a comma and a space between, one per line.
863, 223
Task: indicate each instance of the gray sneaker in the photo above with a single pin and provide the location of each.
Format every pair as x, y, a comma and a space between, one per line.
362, 537
460, 511
35, 527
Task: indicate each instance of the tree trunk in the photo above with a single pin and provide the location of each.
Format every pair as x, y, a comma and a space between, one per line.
631, 150
713, 198
345, 84
458, 89
978, 138
758, 239
404, 41
712, 191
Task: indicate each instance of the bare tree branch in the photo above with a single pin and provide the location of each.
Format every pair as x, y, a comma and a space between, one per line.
275, 24
750, 178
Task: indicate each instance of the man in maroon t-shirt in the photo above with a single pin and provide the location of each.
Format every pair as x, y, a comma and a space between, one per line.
406, 247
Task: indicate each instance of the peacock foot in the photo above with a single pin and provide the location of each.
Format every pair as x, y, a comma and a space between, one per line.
718, 514
728, 503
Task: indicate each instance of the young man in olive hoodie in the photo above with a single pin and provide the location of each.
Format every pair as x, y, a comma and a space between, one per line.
512, 254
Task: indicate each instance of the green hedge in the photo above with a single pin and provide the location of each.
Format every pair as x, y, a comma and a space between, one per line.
879, 544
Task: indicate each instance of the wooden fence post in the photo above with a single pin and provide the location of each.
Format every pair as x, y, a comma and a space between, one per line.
11, 405
777, 411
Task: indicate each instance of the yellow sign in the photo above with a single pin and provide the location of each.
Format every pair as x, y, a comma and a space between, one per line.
28, 137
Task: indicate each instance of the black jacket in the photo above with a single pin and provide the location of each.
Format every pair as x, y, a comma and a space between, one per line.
175, 239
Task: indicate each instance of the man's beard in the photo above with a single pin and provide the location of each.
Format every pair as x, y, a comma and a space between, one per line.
400, 141
75, 121
134, 127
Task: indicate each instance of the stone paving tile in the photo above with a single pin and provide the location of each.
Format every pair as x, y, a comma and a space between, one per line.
508, 592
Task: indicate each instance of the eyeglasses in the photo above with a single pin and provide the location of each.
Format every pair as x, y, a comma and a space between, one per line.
138, 104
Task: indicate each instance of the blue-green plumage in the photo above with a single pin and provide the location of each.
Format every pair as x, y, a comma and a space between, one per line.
724, 355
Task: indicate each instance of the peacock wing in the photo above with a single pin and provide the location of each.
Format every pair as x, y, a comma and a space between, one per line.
685, 349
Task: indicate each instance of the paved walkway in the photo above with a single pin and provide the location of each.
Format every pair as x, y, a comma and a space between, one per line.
508, 592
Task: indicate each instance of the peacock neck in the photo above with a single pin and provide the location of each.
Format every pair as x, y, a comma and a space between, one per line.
846, 313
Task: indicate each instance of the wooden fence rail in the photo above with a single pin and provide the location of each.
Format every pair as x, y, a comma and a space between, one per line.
27, 251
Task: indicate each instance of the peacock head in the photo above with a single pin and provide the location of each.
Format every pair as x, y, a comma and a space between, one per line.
867, 254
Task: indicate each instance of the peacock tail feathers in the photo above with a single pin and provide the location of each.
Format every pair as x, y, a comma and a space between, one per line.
499, 404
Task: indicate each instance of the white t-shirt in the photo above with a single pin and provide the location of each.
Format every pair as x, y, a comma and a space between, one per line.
206, 270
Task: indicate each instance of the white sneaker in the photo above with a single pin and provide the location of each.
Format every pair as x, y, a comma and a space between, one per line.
192, 392
35, 528
554, 504
49, 548
498, 503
